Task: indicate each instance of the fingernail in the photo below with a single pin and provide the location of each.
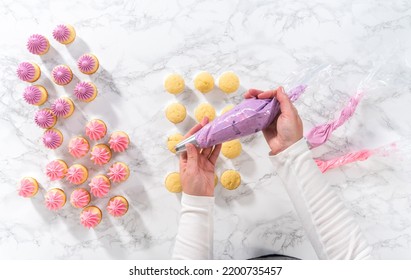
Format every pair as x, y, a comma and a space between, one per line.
281, 89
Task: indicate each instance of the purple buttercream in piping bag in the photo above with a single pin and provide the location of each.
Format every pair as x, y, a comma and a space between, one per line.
248, 117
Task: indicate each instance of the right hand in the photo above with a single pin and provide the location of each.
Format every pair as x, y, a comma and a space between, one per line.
287, 127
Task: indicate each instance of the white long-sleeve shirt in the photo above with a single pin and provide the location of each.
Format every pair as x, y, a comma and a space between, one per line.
330, 226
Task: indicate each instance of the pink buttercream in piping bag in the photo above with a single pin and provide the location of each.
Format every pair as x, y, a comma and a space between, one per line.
320, 134
248, 117
55, 170
116, 208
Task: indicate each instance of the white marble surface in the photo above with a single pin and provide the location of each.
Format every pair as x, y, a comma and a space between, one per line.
363, 44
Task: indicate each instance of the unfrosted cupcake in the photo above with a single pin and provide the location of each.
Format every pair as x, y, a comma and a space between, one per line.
38, 44
56, 169
100, 186
80, 198
78, 147
35, 95
45, 118
117, 206
91, 216
28, 72
62, 75
64, 33
119, 141
52, 138
28, 187
204, 82
85, 91
55, 199
77, 174
63, 107
96, 129
88, 63
118, 172
100, 154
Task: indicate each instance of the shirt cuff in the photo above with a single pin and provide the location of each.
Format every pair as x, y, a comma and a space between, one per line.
291, 153
194, 200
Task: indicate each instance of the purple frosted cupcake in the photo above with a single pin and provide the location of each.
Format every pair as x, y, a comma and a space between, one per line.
35, 95
63, 107
62, 75
64, 33
38, 44
52, 138
88, 63
85, 91
28, 72
45, 118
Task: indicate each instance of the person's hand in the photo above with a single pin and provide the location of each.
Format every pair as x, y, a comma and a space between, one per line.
197, 166
287, 127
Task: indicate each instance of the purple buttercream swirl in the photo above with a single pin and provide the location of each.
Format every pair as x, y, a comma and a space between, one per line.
61, 33
44, 118
37, 44
86, 63
26, 71
61, 107
52, 139
32, 95
61, 75
83, 91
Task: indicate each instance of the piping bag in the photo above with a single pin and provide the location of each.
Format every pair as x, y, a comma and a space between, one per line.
250, 116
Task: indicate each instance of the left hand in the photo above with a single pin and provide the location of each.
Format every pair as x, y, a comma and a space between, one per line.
197, 166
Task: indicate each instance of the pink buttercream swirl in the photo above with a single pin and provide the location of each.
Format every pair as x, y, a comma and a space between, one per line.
80, 198
55, 170
100, 156
325, 165
26, 71
61, 33
37, 44
116, 208
61, 75
89, 219
118, 142
86, 63
117, 173
27, 188
61, 107
51, 139
32, 95
75, 175
95, 130
44, 118
99, 186
78, 147
83, 91
54, 200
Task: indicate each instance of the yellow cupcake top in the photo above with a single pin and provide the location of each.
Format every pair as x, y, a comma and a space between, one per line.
231, 149
173, 140
174, 84
173, 183
176, 112
203, 110
230, 179
204, 82
228, 82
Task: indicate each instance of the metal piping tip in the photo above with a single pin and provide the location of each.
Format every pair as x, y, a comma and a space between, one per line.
181, 147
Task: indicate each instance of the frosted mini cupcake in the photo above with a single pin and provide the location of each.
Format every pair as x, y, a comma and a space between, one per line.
28, 72
88, 63
55, 199
62, 75
45, 118
119, 141
85, 91
64, 33
80, 198
117, 206
77, 174
91, 216
100, 154
52, 138
78, 147
63, 107
38, 44
100, 186
56, 169
28, 187
35, 95
118, 172
96, 129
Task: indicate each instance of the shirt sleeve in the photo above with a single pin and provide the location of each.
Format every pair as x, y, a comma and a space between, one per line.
330, 226
194, 239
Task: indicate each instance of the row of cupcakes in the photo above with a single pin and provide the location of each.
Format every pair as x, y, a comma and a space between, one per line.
39, 44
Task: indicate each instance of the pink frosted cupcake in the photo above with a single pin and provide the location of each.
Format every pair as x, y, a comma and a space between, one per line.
28, 72
119, 141
100, 154
91, 216
56, 169
52, 138
28, 187
55, 199
80, 198
77, 174
38, 44
88, 63
118, 172
100, 186
85, 91
64, 33
96, 129
78, 147
62, 75
117, 206
35, 95
45, 118
63, 107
